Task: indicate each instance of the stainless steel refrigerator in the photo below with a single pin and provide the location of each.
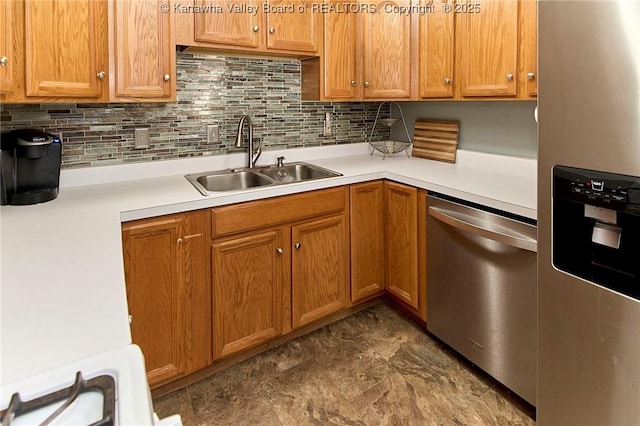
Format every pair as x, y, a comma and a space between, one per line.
589, 213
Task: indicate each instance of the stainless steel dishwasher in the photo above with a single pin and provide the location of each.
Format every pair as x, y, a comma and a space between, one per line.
482, 289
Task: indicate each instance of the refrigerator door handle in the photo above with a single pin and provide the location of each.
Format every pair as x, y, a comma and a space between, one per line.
452, 219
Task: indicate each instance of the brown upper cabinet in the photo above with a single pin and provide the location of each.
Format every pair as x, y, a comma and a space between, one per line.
528, 69
367, 54
436, 52
282, 27
143, 60
65, 50
94, 51
482, 49
10, 45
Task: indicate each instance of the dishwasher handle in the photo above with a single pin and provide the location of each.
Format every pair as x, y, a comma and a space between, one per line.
516, 241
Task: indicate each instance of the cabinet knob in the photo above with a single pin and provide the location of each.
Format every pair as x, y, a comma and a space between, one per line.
353, 82
3, 61
101, 75
530, 76
256, 28
366, 84
447, 80
272, 30
509, 76
130, 319
166, 77
279, 250
179, 240
297, 246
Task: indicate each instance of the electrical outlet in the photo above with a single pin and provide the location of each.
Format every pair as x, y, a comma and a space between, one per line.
213, 133
328, 124
142, 140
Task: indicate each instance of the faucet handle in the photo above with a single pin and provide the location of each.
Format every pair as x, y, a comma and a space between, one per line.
255, 155
280, 161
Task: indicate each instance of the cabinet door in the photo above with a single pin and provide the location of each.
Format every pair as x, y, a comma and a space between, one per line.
168, 293
8, 37
436, 51
143, 52
488, 48
319, 269
65, 48
367, 239
247, 280
402, 242
341, 80
292, 25
154, 289
528, 47
387, 52
230, 24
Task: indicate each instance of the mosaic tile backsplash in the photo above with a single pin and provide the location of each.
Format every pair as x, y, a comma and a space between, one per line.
210, 90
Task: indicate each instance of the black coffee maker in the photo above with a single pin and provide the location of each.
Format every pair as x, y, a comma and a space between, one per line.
29, 167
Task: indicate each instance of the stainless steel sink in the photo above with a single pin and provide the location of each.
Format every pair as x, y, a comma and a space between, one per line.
228, 180
297, 172
246, 178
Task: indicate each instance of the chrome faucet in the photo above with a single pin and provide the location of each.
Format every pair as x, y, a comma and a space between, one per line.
253, 153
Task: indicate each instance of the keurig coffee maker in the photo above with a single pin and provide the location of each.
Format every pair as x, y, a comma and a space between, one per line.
29, 167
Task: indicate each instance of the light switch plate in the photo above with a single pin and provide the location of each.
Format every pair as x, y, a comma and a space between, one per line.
213, 133
328, 124
142, 140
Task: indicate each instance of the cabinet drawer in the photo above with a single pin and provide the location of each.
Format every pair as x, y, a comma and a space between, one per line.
275, 211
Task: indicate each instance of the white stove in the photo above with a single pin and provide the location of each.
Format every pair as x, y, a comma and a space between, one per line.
111, 389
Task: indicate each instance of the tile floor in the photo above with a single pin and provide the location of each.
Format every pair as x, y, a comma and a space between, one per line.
372, 368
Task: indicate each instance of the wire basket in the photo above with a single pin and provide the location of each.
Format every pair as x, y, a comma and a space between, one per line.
389, 147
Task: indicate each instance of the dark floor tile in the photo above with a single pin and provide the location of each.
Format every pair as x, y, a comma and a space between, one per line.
177, 402
393, 401
372, 368
233, 397
383, 329
305, 395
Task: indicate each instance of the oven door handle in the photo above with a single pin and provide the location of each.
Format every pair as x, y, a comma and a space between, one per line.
454, 220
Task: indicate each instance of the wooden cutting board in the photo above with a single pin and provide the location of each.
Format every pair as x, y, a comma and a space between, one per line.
436, 140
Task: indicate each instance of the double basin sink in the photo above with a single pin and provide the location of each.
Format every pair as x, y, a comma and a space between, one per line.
247, 178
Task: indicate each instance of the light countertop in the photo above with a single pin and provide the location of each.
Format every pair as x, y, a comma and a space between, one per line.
62, 279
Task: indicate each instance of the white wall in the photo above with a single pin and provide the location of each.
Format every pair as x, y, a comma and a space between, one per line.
500, 127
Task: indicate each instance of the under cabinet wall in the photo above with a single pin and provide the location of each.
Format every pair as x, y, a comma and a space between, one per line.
505, 128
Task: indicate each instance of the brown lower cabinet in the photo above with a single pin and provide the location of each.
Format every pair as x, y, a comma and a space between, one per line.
367, 240
405, 246
168, 292
248, 277
278, 264
208, 284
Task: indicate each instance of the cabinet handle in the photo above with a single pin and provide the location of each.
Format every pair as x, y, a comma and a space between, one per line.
279, 250
447, 80
3, 61
353, 82
297, 246
531, 76
101, 75
509, 76
166, 77
366, 84
272, 30
256, 28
